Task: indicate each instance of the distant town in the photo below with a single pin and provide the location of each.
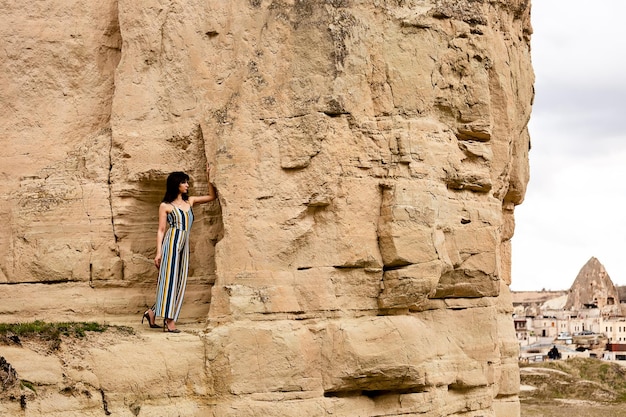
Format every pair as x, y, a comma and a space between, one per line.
588, 320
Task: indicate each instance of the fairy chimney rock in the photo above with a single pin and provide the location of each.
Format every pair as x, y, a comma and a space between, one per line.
593, 288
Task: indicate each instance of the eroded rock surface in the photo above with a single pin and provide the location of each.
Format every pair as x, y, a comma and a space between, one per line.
368, 157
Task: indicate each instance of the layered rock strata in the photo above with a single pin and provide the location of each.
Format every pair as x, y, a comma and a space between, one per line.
368, 157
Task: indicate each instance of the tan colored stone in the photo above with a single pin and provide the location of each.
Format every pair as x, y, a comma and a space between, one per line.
140, 370
368, 157
152, 373
414, 356
280, 357
48, 369
80, 302
409, 287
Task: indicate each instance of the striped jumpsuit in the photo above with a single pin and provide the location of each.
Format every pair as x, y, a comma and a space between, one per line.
174, 264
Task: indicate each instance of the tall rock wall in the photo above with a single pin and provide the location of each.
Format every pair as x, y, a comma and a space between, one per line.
368, 156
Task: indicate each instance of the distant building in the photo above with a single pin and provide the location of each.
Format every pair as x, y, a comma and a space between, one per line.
521, 328
615, 329
615, 351
590, 317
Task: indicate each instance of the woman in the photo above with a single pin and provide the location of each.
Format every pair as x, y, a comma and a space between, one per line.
172, 250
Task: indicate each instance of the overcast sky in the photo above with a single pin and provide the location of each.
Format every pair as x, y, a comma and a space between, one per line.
575, 205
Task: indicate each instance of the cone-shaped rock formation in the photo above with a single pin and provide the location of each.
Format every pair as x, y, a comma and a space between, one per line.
593, 288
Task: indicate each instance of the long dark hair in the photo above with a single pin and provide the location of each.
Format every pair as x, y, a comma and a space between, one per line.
173, 181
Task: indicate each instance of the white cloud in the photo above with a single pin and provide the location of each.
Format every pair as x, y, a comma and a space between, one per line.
582, 41
574, 207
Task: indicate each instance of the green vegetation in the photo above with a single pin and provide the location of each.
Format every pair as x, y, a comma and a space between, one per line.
50, 330
27, 384
11, 333
574, 379
574, 388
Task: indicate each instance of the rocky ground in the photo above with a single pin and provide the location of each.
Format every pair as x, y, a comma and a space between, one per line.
573, 388
69, 373
66, 374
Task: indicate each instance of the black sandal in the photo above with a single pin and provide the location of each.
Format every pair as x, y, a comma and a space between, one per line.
152, 324
167, 329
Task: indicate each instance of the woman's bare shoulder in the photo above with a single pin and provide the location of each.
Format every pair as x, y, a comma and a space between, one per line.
166, 207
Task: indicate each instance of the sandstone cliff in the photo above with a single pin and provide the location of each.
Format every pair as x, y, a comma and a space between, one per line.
368, 157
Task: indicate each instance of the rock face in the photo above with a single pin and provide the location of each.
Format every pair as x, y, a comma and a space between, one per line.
593, 287
368, 157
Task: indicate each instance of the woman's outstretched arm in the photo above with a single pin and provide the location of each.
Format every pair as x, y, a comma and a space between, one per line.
205, 198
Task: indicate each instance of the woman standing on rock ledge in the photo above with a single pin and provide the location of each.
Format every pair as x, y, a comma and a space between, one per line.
172, 250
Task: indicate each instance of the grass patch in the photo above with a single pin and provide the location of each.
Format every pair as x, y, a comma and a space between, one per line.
27, 384
15, 333
50, 330
581, 378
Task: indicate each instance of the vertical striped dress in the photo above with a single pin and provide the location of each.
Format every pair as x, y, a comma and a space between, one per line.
174, 264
